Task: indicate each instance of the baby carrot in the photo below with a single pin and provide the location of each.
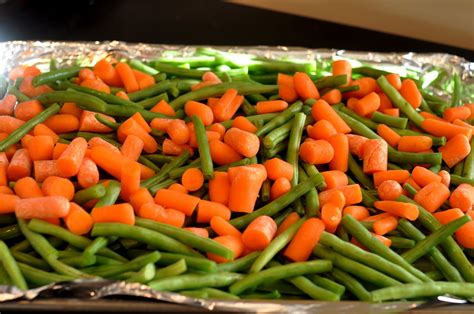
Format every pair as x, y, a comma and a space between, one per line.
304, 86
6, 190
366, 85
316, 152
89, 123
394, 80
278, 168
304, 241
192, 179
105, 71
223, 227
289, 221
335, 178
222, 153
127, 77
352, 194
62, 123
333, 196
88, 174
358, 212
321, 110
139, 198
27, 187
385, 225
131, 126
203, 111
225, 107
198, 231
19, 166
42, 129
97, 141
368, 104
130, 179
410, 92
259, 233
340, 145
331, 215
455, 150
356, 142
144, 80
243, 142
405, 210
156, 212
375, 156
423, 176
342, 67
177, 200
71, 159
161, 124
219, 188
389, 135
445, 177
333, 97
245, 187
414, 144
41, 147
269, 106
42, 207
8, 203
389, 190
171, 148
399, 176
132, 147
432, 196
56, 186
219, 128
78, 221
71, 108
385, 104
279, 187
462, 197
206, 210
286, 87
7, 105
452, 114
122, 213
235, 244
321, 130
28, 109
244, 124
440, 128
9, 124
45, 169
163, 107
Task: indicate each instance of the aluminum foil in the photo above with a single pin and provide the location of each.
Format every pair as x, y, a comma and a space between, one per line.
417, 65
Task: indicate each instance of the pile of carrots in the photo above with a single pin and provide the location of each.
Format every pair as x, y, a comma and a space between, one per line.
65, 169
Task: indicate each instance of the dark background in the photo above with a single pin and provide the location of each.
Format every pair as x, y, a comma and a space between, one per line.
190, 22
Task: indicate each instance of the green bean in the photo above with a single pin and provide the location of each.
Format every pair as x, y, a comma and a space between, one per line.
55, 75
40, 277
133, 265
96, 245
10, 232
355, 268
140, 66
199, 293
265, 191
393, 155
78, 241
147, 162
359, 174
401, 243
367, 258
436, 257
281, 66
239, 265
178, 71
174, 269
348, 88
430, 97
108, 98
11, 267
126, 112
159, 159
195, 263
275, 246
365, 121
400, 102
369, 71
352, 285
391, 121
161, 185
203, 147
280, 272
457, 170
327, 284
213, 293
278, 135
143, 275
17, 134
148, 103
248, 108
457, 91
242, 162
255, 98
178, 172
435, 275
19, 95
30, 260
457, 180
254, 119
150, 237
94, 192
186, 237
193, 61
195, 281
272, 152
163, 173
113, 125
279, 204
151, 91
243, 88
80, 261
294, 144
83, 100
281, 119
311, 199
418, 290
7, 219
451, 248
425, 107
367, 239
312, 171
112, 192
468, 170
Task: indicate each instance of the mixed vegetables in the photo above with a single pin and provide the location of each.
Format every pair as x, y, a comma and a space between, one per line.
229, 176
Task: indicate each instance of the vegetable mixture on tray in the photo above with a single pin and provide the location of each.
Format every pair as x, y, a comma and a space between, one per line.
229, 176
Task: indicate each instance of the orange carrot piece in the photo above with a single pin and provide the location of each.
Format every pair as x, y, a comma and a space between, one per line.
405, 210
352, 194
259, 233
394, 80
459, 122
356, 211
177, 200
178, 187
219, 128
356, 142
321, 130
368, 104
222, 227
97, 141
316, 152
432, 196
235, 244
71, 159
242, 142
376, 217
331, 215
340, 145
334, 178
106, 72
108, 160
207, 210
223, 154
333, 97
410, 92
88, 174
121, 213
6, 190
25, 140
385, 225
203, 111
85, 74
304, 86
333, 196
132, 127
244, 124
45, 169
8, 203
342, 67
29, 109
399, 176
27, 88
321, 110
219, 188
389, 135
42, 129
423, 176
78, 221
445, 177
394, 112
385, 103
96, 84
246, 182
279, 187
289, 221
269, 106
203, 84
278, 168
192, 179
41, 147
178, 132
7, 105
305, 239
139, 198
171, 148
164, 215
464, 234
27, 187
428, 115
42, 207
62, 123
57, 186
19, 166
9, 124
452, 114
389, 190
132, 147
366, 85
127, 77
286, 87
144, 80
462, 197
375, 156
130, 179
89, 123
414, 144
224, 109
163, 107
198, 231
440, 128
455, 150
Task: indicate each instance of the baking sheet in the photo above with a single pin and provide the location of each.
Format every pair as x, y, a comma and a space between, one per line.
422, 66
